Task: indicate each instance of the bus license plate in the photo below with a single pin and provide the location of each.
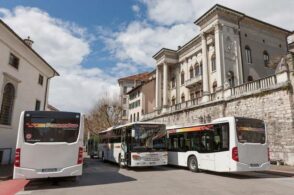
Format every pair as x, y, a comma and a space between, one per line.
254, 165
49, 170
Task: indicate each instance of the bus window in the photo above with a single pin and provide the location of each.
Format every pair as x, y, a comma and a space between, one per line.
45, 129
206, 144
195, 141
221, 137
250, 130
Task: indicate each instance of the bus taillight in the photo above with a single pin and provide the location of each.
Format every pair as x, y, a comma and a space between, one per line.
17, 157
80, 155
235, 156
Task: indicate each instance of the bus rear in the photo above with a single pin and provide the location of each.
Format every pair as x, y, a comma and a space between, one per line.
49, 144
250, 152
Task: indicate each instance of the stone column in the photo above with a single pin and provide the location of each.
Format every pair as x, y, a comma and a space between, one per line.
218, 56
205, 81
165, 83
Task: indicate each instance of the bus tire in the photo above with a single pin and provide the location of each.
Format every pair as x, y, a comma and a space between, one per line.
193, 164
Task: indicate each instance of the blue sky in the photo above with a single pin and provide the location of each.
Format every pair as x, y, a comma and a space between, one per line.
94, 42
111, 14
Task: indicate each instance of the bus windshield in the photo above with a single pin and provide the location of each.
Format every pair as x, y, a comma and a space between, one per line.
57, 128
250, 130
149, 137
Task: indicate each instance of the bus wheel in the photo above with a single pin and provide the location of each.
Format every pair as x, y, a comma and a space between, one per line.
193, 164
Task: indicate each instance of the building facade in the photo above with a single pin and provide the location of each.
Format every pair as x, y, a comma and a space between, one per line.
126, 84
24, 85
291, 42
142, 99
231, 49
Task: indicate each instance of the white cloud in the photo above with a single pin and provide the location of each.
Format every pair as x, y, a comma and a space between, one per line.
64, 45
165, 12
136, 8
170, 23
139, 41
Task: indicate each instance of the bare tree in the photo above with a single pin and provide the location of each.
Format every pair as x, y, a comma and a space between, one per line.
106, 113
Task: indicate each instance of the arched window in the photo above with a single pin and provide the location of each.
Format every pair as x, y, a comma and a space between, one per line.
249, 78
192, 96
265, 58
183, 98
131, 118
197, 69
248, 54
173, 101
214, 85
213, 63
182, 78
191, 72
173, 81
7, 104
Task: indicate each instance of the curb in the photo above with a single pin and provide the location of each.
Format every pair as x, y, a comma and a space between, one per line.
280, 172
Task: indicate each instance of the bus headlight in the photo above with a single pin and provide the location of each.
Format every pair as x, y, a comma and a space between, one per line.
136, 157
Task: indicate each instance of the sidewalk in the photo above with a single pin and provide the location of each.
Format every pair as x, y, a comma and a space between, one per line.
6, 172
282, 170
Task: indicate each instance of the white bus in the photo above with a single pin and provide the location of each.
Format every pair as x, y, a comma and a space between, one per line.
49, 144
230, 144
134, 145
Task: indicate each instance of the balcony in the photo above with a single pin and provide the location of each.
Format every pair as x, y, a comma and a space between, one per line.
193, 81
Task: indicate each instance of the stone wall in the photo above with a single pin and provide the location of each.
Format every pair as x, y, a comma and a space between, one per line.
274, 106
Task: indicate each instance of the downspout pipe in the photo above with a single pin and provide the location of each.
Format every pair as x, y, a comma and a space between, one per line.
46, 90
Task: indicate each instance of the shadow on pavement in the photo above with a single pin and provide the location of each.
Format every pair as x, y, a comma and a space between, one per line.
94, 173
251, 175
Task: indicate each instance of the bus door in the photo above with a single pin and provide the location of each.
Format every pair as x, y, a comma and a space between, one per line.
221, 141
206, 156
124, 147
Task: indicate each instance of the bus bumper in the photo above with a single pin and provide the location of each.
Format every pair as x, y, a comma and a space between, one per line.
26, 173
241, 167
148, 163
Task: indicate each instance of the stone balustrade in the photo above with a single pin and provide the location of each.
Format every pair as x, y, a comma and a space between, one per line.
252, 87
192, 81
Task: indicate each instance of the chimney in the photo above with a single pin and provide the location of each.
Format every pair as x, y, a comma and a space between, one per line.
28, 41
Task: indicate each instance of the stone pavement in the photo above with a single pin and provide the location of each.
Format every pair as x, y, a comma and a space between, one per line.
6, 172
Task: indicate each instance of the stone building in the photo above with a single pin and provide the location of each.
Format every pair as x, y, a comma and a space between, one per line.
291, 42
24, 85
142, 99
126, 84
231, 49
237, 66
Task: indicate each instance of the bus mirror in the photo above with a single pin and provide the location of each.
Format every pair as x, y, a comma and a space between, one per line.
133, 132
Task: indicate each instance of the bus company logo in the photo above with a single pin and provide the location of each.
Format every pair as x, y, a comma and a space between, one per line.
29, 136
51, 125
